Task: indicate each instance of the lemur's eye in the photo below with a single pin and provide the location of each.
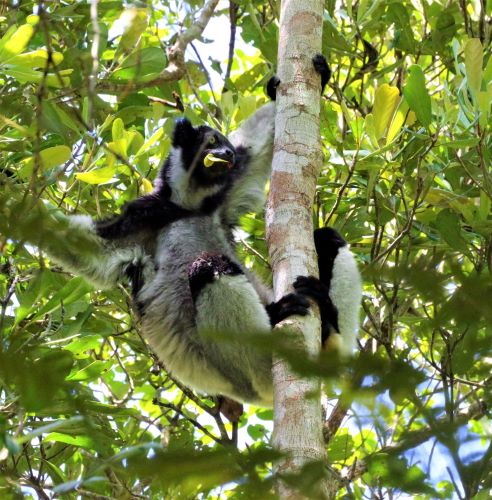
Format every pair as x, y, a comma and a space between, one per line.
212, 140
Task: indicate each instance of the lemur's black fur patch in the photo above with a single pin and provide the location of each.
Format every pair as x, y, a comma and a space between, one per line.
312, 287
150, 212
321, 66
328, 243
207, 268
134, 273
292, 303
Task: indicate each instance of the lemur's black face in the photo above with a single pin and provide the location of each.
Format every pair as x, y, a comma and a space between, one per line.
204, 151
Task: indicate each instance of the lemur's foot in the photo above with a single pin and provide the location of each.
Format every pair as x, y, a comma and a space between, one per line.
292, 303
271, 88
312, 287
321, 66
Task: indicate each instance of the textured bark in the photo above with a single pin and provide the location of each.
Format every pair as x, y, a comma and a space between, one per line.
296, 164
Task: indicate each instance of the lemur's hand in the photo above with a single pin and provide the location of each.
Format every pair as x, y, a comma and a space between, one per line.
321, 67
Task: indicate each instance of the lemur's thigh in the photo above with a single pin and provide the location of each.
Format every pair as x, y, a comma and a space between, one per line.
227, 310
225, 301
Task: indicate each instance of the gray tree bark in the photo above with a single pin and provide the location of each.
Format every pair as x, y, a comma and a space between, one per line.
296, 165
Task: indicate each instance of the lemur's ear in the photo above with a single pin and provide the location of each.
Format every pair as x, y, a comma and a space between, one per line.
184, 133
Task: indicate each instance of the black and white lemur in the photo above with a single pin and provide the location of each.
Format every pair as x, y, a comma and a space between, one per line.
176, 246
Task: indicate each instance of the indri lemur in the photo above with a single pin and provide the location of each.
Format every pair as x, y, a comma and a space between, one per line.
176, 247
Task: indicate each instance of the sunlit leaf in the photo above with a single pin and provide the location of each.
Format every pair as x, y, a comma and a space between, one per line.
385, 102
15, 42
47, 158
417, 96
473, 63
98, 176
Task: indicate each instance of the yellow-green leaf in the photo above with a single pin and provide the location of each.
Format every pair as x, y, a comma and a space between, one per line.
16, 43
48, 158
147, 186
416, 95
370, 130
210, 159
473, 63
32, 19
118, 130
148, 144
399, 118
119, 147
385, 102
135, 21
36, 59
99, 176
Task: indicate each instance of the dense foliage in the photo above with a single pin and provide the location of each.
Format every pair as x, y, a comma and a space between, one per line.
86, 108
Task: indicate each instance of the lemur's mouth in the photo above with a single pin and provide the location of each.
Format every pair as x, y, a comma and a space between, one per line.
213, 159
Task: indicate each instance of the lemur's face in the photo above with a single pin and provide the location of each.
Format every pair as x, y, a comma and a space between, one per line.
205, 152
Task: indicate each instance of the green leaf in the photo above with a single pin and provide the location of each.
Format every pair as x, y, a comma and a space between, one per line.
136, 22
99, 176
398, 14
417, 96
150, 142
62, 423
79, 441
75, 289
15, 42
91, 371
48, 158
370, 130
448, 224
398, 121
27, 75
142, 65
474, 63
341, 447
36, 59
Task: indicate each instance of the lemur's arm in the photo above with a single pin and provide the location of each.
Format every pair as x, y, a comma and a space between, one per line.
150, 212
103, 263
82, 252
254, 145
70, 241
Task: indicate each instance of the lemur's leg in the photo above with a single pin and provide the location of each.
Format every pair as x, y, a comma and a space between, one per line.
338, 292
288, 305
227, 303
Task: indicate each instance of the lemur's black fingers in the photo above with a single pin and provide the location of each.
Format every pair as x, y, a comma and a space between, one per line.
271, 88
311, 287
321, 66
288, 305
207, 268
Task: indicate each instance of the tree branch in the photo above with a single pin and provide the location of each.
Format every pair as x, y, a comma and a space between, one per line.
176, 67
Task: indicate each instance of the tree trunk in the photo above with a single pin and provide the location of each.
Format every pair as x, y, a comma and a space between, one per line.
296, 165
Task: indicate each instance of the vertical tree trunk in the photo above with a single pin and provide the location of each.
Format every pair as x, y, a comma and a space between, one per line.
296, 165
